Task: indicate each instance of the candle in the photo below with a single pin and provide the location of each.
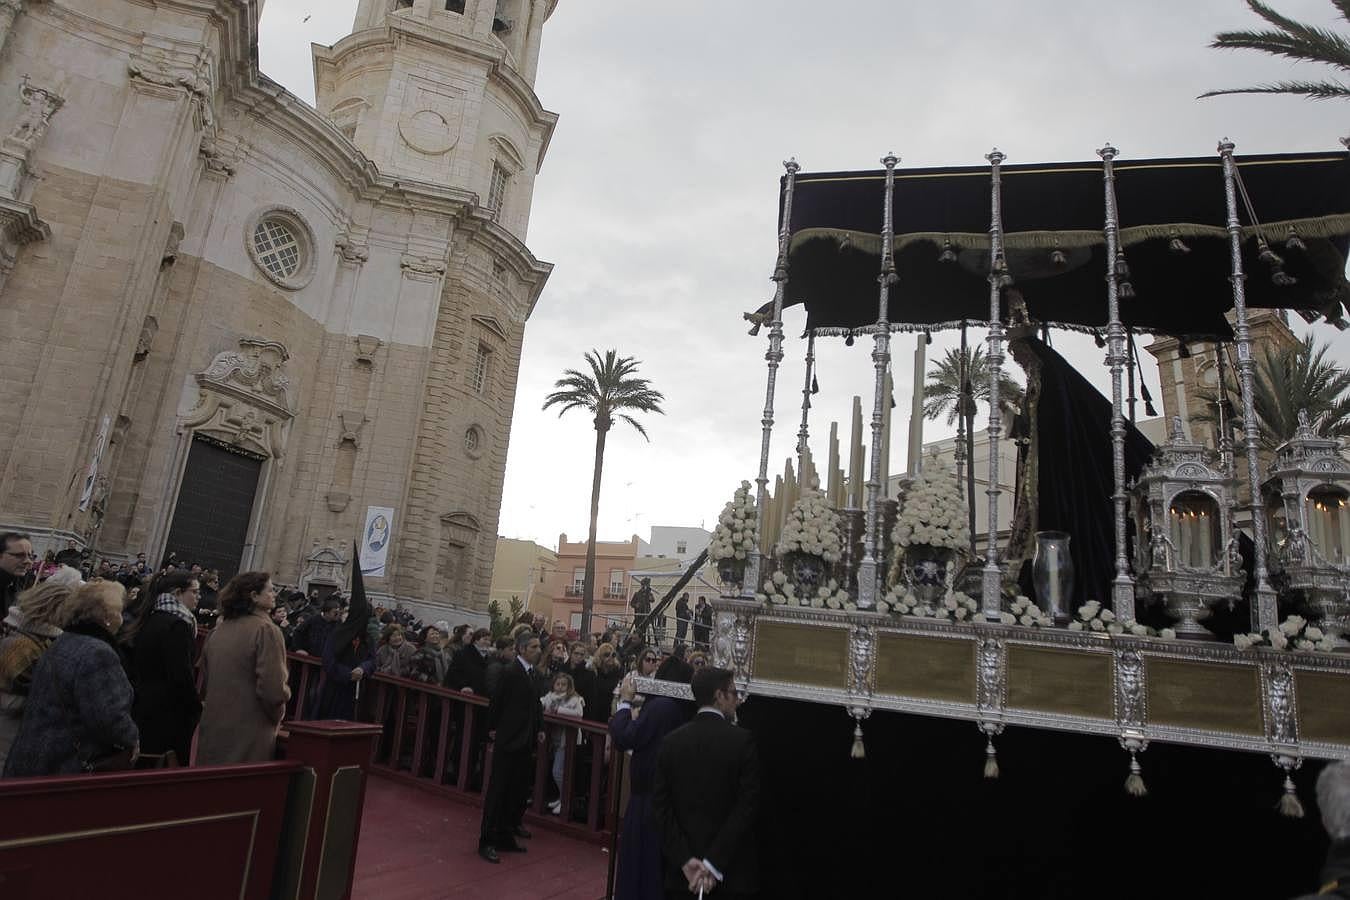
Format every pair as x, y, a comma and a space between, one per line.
855, 459
832, 470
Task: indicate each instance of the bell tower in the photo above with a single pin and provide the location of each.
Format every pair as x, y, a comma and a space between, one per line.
441, 92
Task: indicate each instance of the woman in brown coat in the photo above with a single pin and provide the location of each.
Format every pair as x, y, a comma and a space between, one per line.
244, 676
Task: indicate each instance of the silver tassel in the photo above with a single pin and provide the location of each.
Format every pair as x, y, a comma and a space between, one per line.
1176, 245
1058, 259
1134, 783
1289, 804
1293, 241
990, 759
1275, 263
948, 254
1125, 291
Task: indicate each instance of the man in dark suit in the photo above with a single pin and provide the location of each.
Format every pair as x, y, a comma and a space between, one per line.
707, 794
516, 726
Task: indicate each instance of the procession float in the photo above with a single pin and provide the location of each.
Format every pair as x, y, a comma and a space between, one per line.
1144, 672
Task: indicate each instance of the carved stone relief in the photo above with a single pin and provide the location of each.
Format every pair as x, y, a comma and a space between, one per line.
422, 268
242, 398
39, 104
366, 345
351, 423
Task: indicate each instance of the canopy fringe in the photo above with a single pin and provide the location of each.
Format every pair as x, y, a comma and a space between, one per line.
1318, 227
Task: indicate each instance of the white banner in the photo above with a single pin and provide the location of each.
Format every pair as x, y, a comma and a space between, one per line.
375, 540
91, 473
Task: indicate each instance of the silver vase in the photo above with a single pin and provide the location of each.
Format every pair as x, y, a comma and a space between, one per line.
1052, 575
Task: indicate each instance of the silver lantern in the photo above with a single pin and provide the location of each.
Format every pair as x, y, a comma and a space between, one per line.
1307, 498
1187, 554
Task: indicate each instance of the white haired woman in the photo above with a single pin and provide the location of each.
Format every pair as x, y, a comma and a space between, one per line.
78, 714
40, 611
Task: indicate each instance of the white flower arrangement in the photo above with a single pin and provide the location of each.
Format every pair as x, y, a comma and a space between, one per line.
932, 514
956, 607
1024, 612
737, 531
779, 591
1295, 634
811, 528
1092, 616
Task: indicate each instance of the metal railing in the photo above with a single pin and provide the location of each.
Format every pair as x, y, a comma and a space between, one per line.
437, 737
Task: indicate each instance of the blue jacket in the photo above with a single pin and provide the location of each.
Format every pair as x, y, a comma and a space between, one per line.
79, 707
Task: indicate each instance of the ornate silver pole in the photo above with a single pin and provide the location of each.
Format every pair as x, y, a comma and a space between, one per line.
804, 433
1122, 588
868, 589
998, 277
1264, 610
774, 356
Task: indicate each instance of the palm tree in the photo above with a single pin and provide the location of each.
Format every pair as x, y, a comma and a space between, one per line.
942, 393
1297, 41
1289, 379
610, 391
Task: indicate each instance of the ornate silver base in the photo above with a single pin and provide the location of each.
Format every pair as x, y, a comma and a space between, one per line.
1334, 613
1190, 611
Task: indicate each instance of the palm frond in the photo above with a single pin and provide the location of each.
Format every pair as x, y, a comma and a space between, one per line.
634, 422
1294, 40
1313, 90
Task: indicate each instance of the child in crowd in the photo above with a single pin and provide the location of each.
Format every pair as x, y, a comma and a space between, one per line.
563, 700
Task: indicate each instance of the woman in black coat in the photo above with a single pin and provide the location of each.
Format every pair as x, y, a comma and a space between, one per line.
163, 646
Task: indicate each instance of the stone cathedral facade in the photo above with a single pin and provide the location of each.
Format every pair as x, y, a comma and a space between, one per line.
231, 323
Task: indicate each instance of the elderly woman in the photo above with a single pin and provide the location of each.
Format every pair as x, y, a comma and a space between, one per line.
163, 661
243, 675
78, 714
395, 655
40, 611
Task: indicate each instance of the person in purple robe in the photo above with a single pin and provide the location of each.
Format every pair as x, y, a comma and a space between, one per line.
641, 868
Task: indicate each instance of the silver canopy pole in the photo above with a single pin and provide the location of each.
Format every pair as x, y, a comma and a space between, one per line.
1264, 611
774, 356
868, 589
998, 279
1122, 588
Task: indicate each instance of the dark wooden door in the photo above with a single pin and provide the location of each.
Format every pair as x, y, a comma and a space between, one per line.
215, 504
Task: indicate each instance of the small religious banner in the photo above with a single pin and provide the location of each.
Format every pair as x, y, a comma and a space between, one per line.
375, 540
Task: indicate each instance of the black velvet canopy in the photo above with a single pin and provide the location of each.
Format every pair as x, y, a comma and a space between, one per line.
1173, 218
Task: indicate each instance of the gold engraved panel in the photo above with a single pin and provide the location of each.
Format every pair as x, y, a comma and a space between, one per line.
1072, 682
926, 667
1208, 696
801, 654
1323, 706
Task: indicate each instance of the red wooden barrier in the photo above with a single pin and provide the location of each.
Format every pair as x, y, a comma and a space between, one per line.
206, 833
436, 737
335, 755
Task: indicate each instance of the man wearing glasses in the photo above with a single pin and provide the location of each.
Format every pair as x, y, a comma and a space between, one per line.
16, 559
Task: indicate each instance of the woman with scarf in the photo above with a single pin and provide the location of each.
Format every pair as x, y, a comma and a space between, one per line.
163, 667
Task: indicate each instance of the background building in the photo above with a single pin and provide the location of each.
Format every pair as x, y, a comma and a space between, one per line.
523, 570
614, 560
233, 324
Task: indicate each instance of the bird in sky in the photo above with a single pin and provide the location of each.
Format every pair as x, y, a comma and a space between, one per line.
306, 18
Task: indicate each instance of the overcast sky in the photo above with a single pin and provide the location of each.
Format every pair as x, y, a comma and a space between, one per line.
658, 199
